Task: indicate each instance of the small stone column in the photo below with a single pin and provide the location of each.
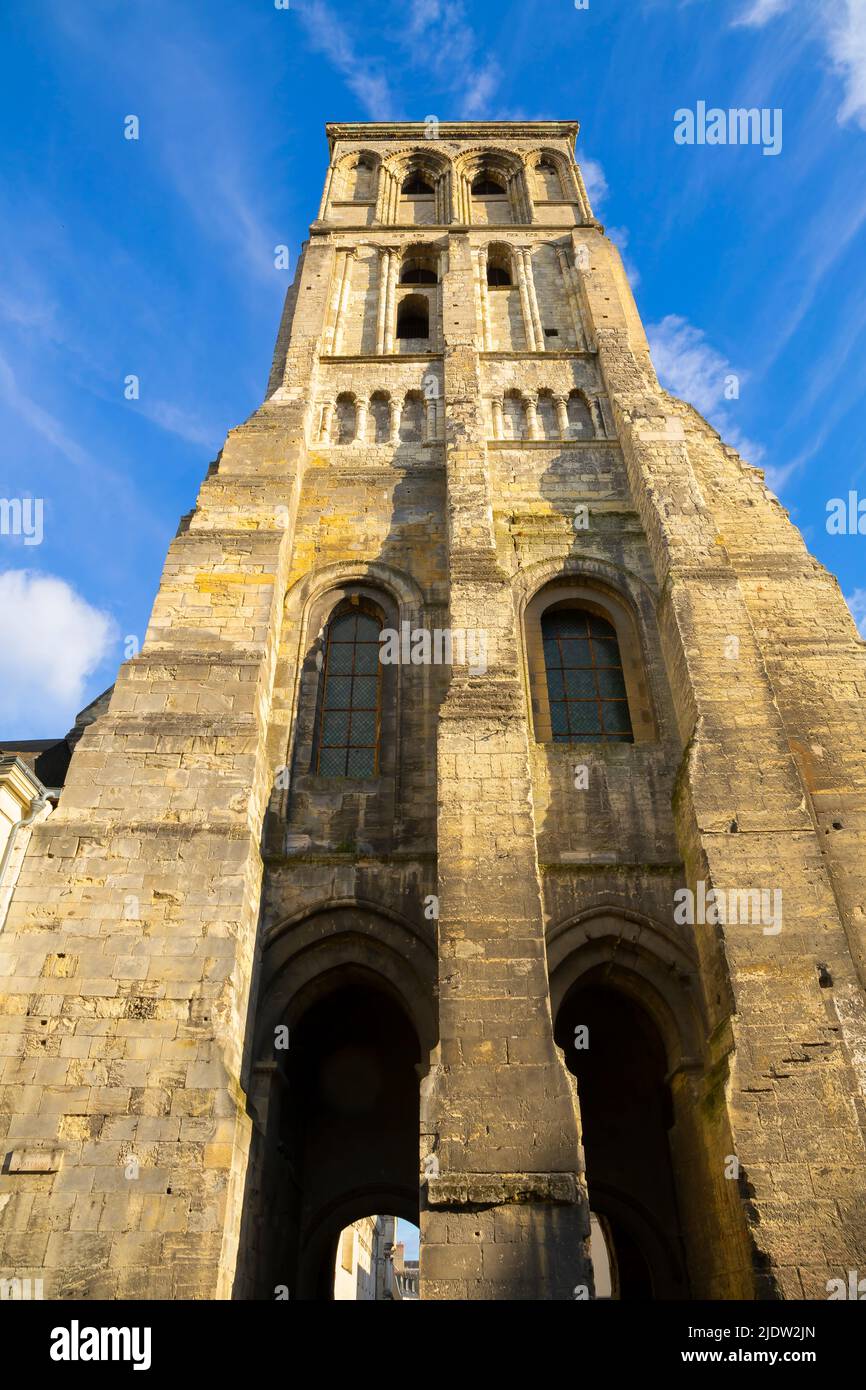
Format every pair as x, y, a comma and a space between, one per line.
530, 405
362, 406
395, 411
486, 335
525, 300
382, 291
568, 279
326, 422
391, 300
348, 257
526, 255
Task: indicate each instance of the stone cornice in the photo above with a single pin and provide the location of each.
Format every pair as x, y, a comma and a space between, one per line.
452, 130
19, 779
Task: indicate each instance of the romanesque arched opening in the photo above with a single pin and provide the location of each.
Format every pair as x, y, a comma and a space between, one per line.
413, 317
340, 1132
615, 1050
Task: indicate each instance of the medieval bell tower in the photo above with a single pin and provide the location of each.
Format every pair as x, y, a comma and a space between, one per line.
480, 835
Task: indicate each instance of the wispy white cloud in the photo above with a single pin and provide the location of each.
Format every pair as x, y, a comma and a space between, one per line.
328, 34
818, 256
597, 190
687, 364
857, 603
51, 641
175, 420
776, 479
595, 183
690, 367
760, 12
846, 41
480, 89
748, 449
441, 42
841, 26
434, 38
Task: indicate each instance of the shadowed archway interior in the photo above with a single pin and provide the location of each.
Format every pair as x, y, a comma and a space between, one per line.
615, 1050
342, 1138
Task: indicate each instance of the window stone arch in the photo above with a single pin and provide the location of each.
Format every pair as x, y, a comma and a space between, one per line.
413, 319
379, 426
485, 168
546, 415
420, 265
345, 425
499, 260
412, 422
346, 737
403, 196
613, 620
514, 422
312, 697
354, 179
581, 424
551, 177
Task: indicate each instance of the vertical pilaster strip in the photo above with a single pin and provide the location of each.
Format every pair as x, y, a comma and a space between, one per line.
526, 253
382, 290
326, 196
391, 300
345, 291
484, 297
528, 324
501, 1106
567, 273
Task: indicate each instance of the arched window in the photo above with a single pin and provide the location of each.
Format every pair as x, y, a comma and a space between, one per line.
380, 416
514, 416
548, 180
347, 741
413, 317
363, 179
487, 187
412, 419
499, 264
346, 419
414, 185
414, 273
585, 684
545, 412
579, 419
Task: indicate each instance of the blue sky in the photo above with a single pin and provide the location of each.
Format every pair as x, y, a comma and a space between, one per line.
410, 1236
155, 257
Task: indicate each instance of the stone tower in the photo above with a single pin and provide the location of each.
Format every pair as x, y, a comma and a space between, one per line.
558, 910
